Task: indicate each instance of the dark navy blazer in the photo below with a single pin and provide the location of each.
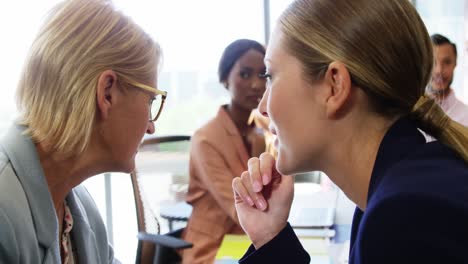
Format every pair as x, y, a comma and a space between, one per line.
417, 209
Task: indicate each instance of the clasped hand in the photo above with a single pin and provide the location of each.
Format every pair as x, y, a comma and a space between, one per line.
263, 199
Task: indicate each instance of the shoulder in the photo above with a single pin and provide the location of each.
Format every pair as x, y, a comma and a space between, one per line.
457, 110
16, 224
9, 251
434, 169
13, 200
419, 208
430, 177
210, 130
414, 228
416, 207
4, 161
459, 102
211, 134
17, 229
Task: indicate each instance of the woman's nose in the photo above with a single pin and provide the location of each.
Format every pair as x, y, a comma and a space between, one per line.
150, 129
258, 83
437, 68
262, 105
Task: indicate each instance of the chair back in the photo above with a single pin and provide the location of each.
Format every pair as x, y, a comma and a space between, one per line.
161, 163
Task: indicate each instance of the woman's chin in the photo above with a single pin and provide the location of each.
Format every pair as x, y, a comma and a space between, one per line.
130, 168
287, 166
125, 167
283, 166
129, 165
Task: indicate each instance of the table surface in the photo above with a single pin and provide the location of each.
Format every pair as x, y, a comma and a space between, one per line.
307, 195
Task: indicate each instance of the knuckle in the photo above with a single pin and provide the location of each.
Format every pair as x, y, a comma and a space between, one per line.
235, 182
264, 155
252, 161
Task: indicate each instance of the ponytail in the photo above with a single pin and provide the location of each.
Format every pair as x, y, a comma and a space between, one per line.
433, 120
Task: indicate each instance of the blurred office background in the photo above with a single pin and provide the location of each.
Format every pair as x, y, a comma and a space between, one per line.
193, 35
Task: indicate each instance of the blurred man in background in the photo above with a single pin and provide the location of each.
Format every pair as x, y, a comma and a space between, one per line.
445, 61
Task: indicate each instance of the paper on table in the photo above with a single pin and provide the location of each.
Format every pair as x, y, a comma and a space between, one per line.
233, 247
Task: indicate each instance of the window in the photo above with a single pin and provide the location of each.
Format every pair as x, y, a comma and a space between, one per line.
19, 23
276, 8
192, 39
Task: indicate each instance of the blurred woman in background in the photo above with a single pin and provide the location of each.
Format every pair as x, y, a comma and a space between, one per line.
220, 151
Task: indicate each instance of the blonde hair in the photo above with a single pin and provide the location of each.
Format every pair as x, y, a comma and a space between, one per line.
386, 49
57, 91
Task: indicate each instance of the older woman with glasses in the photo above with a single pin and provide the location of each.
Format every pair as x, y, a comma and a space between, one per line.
86, 98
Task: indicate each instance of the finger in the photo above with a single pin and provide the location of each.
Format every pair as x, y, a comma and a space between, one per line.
257, 198
267, 163
255, 176
240, 192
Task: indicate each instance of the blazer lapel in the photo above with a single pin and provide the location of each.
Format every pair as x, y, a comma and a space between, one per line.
235, 136
83, 238
257, 140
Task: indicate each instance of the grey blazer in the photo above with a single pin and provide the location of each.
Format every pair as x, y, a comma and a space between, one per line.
28, 223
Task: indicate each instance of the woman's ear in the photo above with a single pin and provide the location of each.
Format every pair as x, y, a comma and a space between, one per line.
106, 92
339, 79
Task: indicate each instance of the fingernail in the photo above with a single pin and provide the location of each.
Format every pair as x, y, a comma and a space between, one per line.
249, 201
261, 205
257, 186
265, 179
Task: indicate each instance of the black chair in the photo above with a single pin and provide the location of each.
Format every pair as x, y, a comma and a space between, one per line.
168, 152
166, 246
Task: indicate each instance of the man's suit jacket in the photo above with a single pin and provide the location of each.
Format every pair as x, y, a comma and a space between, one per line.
28, 222
218, 154
417, 210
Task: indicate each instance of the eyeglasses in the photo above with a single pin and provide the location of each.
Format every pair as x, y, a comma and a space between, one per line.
157, 102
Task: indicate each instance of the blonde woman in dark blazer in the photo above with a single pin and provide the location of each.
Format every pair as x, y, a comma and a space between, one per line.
345, 95
220, 151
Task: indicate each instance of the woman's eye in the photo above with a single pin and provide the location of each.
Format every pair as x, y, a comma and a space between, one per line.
265, 75
244, 75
